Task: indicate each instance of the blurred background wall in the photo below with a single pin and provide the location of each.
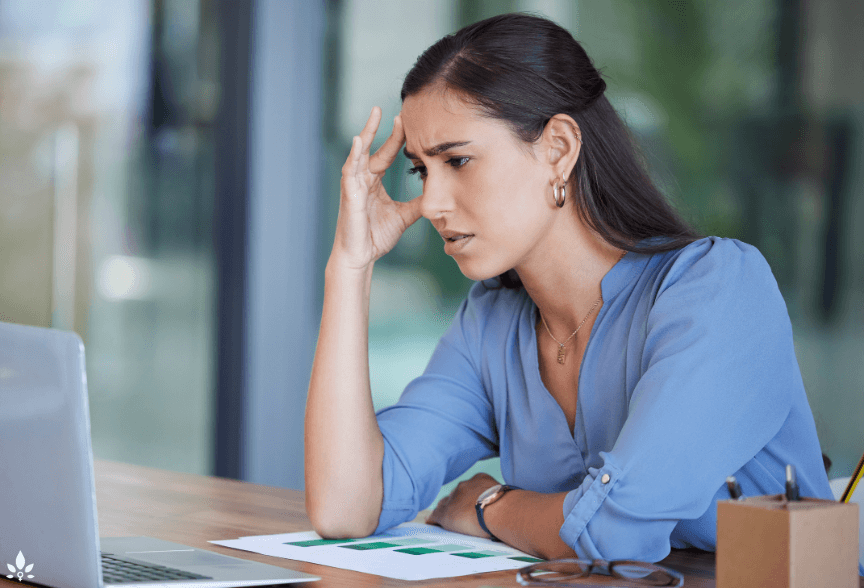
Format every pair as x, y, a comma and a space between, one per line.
169, 174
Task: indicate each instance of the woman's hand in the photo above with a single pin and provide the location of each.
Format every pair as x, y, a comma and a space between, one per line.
370, 222
456, 512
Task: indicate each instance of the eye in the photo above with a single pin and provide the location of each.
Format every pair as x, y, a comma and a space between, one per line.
418, 169
458, 162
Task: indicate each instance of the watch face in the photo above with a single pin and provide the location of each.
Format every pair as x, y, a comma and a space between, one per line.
489, 494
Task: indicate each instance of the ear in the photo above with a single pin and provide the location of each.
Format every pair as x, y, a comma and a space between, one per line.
560, 143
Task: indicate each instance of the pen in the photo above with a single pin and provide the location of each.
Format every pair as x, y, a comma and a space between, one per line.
734, 488
853, 481
791, 484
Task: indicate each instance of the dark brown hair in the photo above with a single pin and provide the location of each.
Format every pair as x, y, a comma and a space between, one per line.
523, 70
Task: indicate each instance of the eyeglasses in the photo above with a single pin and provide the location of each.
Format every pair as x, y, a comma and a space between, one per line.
559, 572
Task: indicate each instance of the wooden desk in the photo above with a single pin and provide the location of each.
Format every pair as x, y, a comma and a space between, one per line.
190, 509
134, 500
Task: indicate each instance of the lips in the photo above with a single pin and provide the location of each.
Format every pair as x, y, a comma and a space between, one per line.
455, 242
453, 236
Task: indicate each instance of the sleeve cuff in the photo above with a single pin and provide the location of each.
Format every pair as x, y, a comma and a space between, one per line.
397, 507
581, 504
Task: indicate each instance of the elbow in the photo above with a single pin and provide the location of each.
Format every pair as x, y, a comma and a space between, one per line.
558, 551
329, 527
339, 520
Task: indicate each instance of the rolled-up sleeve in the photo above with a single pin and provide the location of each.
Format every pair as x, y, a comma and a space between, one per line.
442, 424
718, 375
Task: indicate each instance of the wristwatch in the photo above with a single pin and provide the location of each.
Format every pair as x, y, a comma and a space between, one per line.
488, 497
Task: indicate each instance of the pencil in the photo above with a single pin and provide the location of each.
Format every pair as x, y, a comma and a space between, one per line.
853, 483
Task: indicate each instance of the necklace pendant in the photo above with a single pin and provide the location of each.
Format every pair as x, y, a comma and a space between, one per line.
561, 352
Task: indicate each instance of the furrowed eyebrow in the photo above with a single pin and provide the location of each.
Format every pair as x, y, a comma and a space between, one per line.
436, 150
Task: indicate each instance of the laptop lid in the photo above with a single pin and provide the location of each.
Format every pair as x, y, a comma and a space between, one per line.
48, 521
47, 489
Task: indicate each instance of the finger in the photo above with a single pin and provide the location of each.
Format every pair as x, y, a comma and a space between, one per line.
351, 169
356, 154
384, 157
411, 211
350, 166
368, 132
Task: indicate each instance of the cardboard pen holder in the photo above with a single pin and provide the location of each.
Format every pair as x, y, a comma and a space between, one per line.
768, 542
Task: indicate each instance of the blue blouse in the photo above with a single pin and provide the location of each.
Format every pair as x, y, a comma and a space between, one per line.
689, 376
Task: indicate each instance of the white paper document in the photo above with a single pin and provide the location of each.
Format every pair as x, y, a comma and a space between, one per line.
411, 551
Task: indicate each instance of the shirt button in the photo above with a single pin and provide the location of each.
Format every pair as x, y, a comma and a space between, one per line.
605, 479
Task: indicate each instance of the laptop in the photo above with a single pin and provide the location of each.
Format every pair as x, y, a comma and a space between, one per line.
48, 525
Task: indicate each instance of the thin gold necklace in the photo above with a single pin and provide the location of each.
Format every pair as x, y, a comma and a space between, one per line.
562, 350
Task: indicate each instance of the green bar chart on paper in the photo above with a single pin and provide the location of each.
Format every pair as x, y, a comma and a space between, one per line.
411, 551
479, 554
386, 544
320, 542
433, 548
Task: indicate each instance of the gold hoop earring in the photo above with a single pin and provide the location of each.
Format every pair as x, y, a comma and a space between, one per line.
563, 191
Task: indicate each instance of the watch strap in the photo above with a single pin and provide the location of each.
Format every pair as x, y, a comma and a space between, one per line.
479, 508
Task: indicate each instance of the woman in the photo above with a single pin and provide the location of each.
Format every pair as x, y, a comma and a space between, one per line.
621, 366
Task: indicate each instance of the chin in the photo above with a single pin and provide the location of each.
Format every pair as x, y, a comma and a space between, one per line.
478, 272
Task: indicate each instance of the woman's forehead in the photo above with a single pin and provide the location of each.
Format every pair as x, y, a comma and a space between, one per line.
433, 117
424, 109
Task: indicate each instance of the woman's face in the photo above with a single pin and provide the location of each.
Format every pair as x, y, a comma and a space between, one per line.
483, 190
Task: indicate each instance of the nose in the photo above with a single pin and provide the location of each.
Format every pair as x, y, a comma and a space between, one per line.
436, 199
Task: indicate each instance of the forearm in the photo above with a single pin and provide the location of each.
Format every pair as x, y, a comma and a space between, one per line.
343, 445
530, 522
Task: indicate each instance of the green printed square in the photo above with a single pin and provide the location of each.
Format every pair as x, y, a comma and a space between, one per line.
526, 558
479, 554
319, 542
417, 550
472, 555
437, 548
408, 541
449, 547
368, 546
